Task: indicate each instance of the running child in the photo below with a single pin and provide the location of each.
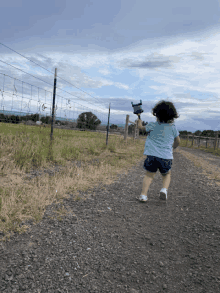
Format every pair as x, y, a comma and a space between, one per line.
162, 138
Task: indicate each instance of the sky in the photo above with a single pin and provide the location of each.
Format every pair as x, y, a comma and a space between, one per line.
113, 52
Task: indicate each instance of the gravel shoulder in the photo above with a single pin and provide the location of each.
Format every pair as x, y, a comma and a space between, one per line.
110, 242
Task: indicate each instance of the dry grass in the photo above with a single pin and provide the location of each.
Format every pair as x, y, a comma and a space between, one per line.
23, 148
208, 169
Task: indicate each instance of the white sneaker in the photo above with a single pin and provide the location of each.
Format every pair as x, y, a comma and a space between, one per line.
143, 198
163, 194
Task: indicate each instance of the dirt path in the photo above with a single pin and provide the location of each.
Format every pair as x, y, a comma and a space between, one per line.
112, 243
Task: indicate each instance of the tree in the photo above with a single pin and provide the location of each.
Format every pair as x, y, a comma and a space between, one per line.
46, 120
12, 118
198, 133
88, 120
183, 132
113, 126
208, 133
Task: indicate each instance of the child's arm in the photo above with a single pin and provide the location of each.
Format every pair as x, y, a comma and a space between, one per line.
140, 126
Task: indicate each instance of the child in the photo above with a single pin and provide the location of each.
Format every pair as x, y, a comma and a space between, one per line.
163, 136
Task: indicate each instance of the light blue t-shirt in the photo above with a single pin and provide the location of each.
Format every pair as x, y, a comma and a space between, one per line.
159, 142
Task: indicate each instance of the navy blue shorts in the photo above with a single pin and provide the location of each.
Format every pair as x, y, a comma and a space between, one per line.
152, 163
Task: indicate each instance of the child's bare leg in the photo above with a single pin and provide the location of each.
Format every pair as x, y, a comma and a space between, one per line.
148, 178
166, 180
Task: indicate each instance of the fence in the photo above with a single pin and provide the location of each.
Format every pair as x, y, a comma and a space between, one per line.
215, 140
136, 131
26, 95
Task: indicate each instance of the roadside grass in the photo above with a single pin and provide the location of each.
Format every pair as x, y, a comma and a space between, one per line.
208, 169
26, 148
210, 148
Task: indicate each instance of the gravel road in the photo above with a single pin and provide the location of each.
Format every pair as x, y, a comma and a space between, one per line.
110, 242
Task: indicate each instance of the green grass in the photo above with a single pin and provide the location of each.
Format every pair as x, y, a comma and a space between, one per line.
209, 149
24, 148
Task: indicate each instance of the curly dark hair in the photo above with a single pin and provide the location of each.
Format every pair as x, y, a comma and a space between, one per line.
165, 111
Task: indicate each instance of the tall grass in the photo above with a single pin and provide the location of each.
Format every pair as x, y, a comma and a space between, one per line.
25, 149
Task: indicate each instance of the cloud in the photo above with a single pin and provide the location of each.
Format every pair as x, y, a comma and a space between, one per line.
104, 71
146, 64
166, 52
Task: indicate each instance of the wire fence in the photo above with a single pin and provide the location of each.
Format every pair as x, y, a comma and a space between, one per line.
20, 101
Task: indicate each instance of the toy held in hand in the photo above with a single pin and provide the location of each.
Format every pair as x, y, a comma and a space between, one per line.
138, 110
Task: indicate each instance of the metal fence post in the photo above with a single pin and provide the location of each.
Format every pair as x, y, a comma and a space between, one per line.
108, 126
54, 94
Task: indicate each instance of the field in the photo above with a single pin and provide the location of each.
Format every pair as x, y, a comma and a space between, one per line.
26, 150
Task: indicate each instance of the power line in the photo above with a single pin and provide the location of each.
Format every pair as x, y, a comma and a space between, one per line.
47, 70
52, 73
44, 81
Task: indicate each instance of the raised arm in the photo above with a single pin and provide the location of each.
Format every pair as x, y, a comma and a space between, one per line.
140, 126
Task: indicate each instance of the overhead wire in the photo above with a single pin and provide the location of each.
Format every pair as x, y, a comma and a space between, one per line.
48, 71
45, 81
57, 76
40, 88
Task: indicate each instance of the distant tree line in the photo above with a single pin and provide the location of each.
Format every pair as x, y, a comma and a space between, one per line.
204, 133
18, 119
88, 120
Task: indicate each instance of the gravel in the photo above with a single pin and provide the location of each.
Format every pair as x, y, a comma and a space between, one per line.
111, 242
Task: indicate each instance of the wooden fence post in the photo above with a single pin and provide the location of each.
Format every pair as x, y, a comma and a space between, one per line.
216, 139
208, 140
136, 130
126, 128
187, 138
134, 134
193, 139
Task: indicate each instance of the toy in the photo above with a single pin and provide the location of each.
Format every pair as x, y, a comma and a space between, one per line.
138, 109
